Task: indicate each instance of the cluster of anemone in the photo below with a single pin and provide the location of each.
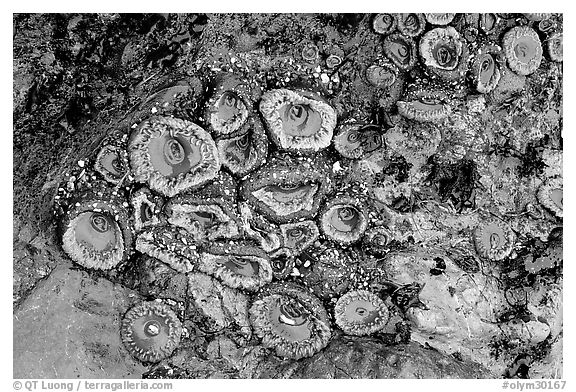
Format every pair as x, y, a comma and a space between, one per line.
298, 121
355, 140
550, 196
523, 49
172, 155
290, 321
344, 219
444, 53
428, 104
493, 239
240, 266
401, 50
485, 68
95, 231
360, 312
151, 331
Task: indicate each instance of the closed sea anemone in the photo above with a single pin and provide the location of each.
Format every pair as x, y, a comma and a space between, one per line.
425, 104
171, 245
151, 331
147, 209
297, 120
290, 321
486, 69
523, 49
344, 219
444, 53
298, 236
550, 196
411, 25
360, 313
556, 47
172, 155
96, 232
388, 81
288, 188
356, 140
384, 23
401, 50
112, 163
493, 239
439, 19
237, 265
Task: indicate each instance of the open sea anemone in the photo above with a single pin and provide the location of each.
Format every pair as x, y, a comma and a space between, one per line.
401, 50
360, 312
439, 19
485, 68
355, 140
344, 219
523, 49
384, 23
151, 331
112, 163
297, 120
290, 321
493, 239
172, 155
299, 235
444, 53
550, 196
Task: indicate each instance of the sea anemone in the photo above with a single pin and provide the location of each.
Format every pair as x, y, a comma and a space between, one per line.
333, 60
411, 25
96, 232
425, 105
172, 155
378, 240
360, 312
550, 196
493, 239
204, 219
344, 219
358, 139
229, 105
384, 23
388, 81
537, 16
523, 49
401, 50
171, 245
147, 209
297, 120
245, 152
439, 19
309, 52
112, 163
444, 53
288, 188
486, 69
556, 47
256, 227
237, 265
300, 235
282, 263
151, 331
290, 321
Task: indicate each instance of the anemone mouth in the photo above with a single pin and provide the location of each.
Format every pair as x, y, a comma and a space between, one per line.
355, 140
382, 75
401, 50
287, 199
243, 267
298, 236
298, 121
172, 155
411, 25
170, 245
523, 49
485, 69
151, 331
112, 164
204, 221
441, 48
146, 209
494, 240
556, 47
428, 106
439, 19
228, 113
384, 23
344, 220
360, 313
289, 325
550, 196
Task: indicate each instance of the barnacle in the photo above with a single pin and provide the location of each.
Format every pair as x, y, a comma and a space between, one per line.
344, 219
428, 104
96, 230
171, 245
411, 25
523, 49
151, 331
147, 209
556, 46
298, 120
384, 23
550, 196
439, 19
360, 312
112, 163
298, 236
493, 239
172, 155
290, 321
444, 53
237, 265
401, 50
357, 139
288, 188
486, 69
